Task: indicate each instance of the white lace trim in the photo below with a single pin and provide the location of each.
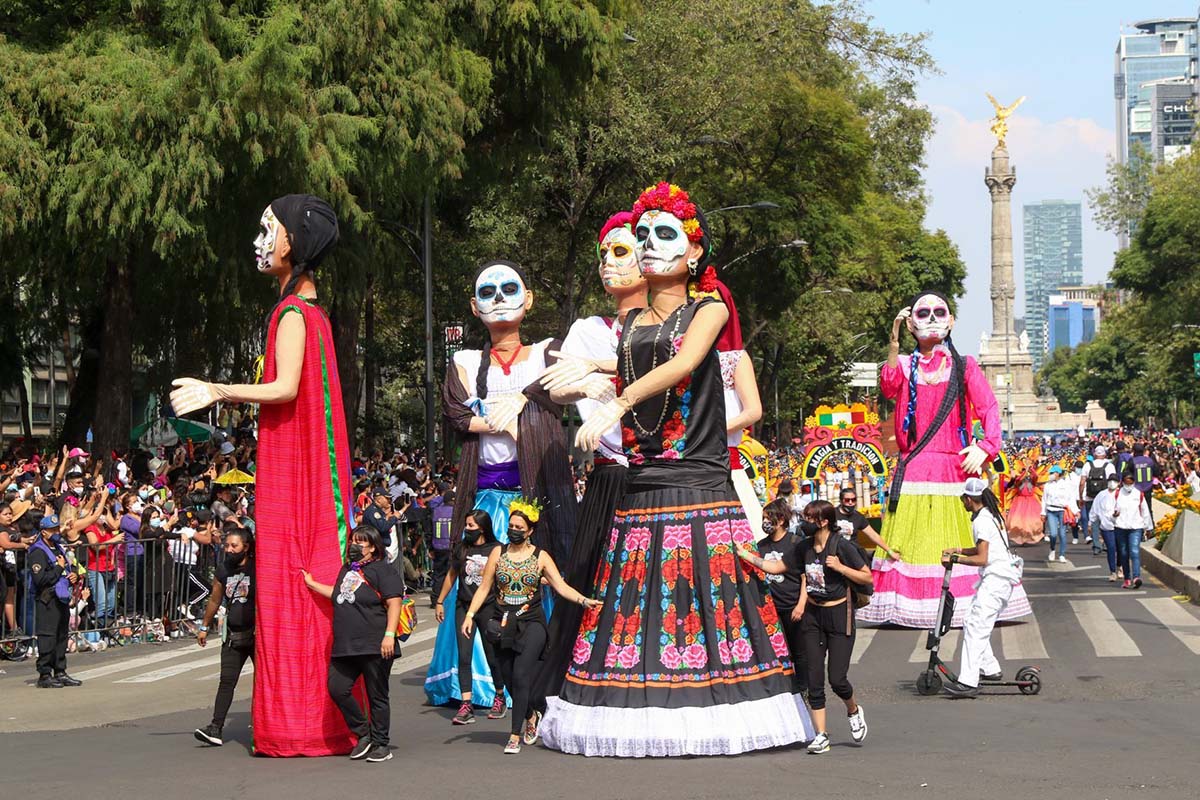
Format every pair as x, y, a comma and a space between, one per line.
717, 730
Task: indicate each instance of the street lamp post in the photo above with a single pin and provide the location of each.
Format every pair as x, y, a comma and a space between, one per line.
427, 258
1008, 368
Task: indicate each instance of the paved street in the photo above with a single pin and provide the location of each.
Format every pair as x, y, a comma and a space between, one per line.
1117, 718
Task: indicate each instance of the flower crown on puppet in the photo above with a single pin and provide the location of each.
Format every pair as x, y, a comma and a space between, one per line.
530, 507
670, 198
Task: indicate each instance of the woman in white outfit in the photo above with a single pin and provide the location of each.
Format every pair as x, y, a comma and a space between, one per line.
1001, 571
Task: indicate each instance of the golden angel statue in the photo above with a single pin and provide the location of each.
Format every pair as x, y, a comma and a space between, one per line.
1000, 121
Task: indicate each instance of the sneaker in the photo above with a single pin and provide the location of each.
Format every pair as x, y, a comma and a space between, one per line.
858, 725
819, 744
1112, 577
465, 715
499, 710
209, 734
1126, 584
49, 682
530, 736
361, 748
994, 677
1075, 541
1088, 540
513, 747
960, 690
1137, 583
67, 680
379, 753
1121, 573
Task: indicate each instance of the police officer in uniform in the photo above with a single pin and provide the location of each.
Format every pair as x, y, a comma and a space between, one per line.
380, 517
52, 581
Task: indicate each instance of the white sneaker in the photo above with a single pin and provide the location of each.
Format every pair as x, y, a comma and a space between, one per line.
1088, 540
820, 744
1112, 577
858, 725
1053, 557
1074, 541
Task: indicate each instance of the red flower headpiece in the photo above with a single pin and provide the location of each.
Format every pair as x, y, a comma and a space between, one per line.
670, 198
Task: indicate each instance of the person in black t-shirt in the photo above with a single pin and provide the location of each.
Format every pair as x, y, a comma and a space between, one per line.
468, 557
366, 599
779, 545
233, 587
826, 614
850, 523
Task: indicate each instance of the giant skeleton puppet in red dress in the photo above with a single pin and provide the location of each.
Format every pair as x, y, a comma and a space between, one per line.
302, 488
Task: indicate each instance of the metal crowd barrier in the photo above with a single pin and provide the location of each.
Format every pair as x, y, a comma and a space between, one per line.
144, 591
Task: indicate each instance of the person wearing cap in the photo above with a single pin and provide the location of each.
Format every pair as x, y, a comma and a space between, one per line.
1000, 571
380, 517
1096, 475
52, 583
1058, 495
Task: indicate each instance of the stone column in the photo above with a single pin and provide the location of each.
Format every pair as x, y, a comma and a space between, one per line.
1000, 179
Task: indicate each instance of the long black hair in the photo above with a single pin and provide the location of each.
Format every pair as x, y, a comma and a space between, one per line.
485, 358
956, 394
458, 550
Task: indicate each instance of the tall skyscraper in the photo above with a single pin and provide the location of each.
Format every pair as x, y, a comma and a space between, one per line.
1074, 317
1155, 86
1053, 258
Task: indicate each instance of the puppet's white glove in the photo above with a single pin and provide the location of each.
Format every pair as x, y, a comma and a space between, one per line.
191, 395
600, 423
567, 370
502, 415
974, 458
597, 387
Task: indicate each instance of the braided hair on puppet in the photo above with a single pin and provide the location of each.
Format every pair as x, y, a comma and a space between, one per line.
312, 230
485, 360
956, 394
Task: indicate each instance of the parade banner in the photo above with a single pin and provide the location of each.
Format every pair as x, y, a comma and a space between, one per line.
842, 429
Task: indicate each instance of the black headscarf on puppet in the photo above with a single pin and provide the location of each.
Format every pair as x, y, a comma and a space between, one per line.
485, 359
956, 393
312, 231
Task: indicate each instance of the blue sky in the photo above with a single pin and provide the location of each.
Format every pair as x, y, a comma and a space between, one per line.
1059, 54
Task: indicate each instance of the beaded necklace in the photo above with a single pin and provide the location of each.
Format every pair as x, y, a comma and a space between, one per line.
630, 375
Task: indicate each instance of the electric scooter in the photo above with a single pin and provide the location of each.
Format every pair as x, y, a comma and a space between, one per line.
1028, 679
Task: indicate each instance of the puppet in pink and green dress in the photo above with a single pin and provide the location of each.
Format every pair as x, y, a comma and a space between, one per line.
937, 392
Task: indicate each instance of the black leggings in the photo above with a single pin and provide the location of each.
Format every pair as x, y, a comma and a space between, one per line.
825, 633
466, 649
375, 671
233, 658
521, 671
795, 645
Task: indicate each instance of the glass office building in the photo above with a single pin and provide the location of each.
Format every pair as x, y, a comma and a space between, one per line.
1053, 258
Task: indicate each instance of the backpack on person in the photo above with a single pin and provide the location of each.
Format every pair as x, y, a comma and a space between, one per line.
1097, 481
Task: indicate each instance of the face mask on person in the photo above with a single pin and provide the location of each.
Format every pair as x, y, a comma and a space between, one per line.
233, 560
809, 528
768, 526
144, 494
472, 535
356, 552
517, 537
55, 538
157, 523
1112, 485
1127, 490
77, 491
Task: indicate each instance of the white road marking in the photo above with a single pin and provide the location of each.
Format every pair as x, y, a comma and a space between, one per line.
135, 663
172, 671
862, 640
1117, 595
1176, 619
946, 652
1109, 639
1022, 641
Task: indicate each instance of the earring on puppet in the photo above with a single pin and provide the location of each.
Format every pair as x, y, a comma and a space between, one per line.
693, 265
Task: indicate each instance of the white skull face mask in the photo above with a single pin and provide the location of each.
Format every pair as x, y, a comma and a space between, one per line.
931, 318
662, 244
500, 295
264, 243
618, 261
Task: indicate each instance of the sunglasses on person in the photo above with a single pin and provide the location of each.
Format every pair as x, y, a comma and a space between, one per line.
849, 500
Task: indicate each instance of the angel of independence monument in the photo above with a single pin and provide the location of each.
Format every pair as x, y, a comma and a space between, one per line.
1004, 356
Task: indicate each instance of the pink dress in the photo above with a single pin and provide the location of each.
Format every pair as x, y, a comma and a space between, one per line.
929, 516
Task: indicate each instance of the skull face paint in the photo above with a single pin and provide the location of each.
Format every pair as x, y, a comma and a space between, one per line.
264, 243
500, 295
931, 319
618, 261
662, 244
